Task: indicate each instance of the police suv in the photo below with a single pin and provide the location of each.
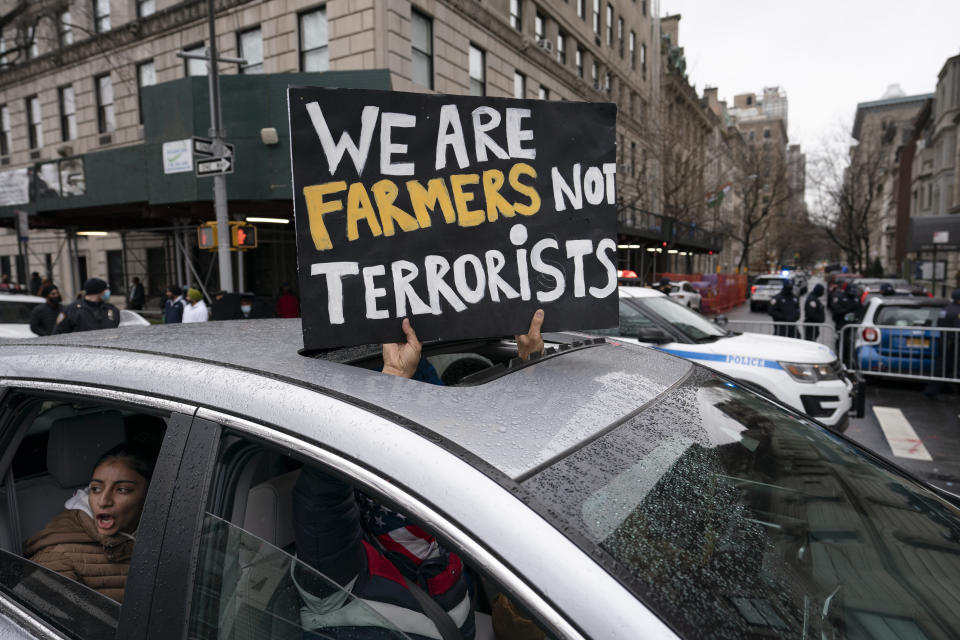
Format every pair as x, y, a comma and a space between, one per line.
804, 375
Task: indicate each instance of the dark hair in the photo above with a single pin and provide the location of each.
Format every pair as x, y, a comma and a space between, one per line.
139, 457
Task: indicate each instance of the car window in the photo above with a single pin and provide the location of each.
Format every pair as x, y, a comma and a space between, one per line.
15, 312
725, 512
688, 322
771, 281
255, 578
908, 316
67, 535
632, 320
689, 289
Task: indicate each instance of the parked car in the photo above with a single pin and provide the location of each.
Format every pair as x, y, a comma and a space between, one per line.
606, 490
764, 289
15, 311
802, 374
686, 294
898, 335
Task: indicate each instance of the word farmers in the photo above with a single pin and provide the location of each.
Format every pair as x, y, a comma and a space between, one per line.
471, 278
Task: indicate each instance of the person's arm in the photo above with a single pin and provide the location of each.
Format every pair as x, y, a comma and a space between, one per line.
532, 341
35, 325
66, 324
56, 559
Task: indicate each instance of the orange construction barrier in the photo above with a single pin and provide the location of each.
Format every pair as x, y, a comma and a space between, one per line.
719, 292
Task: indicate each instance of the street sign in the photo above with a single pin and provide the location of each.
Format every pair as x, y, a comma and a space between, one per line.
941, 237
204, 147
939, 247
214, 166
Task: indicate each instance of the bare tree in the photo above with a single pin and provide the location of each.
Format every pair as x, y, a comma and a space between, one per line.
851, 195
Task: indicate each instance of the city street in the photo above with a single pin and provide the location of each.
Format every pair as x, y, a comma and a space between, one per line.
900, 423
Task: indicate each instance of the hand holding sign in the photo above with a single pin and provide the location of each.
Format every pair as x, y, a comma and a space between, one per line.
401, 358
532, 341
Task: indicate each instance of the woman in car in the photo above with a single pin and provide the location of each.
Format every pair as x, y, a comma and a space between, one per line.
91, 541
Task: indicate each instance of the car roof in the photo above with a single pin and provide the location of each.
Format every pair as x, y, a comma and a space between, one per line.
516, 422
20, 297
640, 292
911, 301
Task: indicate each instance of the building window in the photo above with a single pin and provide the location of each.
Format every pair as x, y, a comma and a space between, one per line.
633, 50
766, 133
596, 17
519, 85
68, 113
633, 158
34, 122
544, 93
3, 53
594, 78
582, 9
643, 59
609, 25
478, 71
314, 40
4, 130
101, 16
607, 82
515, 19
250, 46
105, 119
643, 6
620, 34
578, 59
65, 29
195, 66
422, 48
146, 8
562, 48
146, 77
33, 48
538, 22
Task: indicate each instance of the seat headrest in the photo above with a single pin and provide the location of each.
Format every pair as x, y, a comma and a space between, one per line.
75, 444
269, 512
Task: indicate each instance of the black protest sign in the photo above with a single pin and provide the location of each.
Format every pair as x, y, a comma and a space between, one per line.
463, 214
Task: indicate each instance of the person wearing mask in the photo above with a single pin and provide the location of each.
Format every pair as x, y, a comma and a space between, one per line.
43, 317
813, 312
288, 305
173, 307
92, 540
196, 308
251, 308
91, 312
136, 297
945, 361
785, 307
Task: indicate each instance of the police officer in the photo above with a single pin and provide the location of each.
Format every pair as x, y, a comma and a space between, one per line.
43, 317
91, 312
813, 312
846, 310
785, 307
664, 286
945, 362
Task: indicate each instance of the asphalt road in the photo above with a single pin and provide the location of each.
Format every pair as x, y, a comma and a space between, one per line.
901, 424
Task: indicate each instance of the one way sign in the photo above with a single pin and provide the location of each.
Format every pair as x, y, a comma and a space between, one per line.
214, 166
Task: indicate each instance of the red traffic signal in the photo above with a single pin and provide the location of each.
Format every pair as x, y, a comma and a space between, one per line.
244, 236
207, 237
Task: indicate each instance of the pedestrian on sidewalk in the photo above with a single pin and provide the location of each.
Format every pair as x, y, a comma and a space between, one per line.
945, 360
195, 309
813, 312
785, 307
43, 317
173, 307
288, 305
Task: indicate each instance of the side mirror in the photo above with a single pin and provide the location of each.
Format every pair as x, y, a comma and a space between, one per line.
655, 335
721, 321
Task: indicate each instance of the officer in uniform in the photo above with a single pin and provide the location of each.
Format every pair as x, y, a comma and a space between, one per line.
945, 361
846, 310
91, 312
813, 312
785, 308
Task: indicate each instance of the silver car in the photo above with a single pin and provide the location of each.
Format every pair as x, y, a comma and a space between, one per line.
606, 490
764, 289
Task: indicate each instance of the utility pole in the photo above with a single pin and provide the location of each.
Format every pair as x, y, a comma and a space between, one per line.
217, 135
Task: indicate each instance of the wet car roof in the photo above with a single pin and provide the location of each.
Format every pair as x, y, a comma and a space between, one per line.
516, 422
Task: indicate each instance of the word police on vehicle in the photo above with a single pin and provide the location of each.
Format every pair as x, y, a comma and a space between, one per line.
430, 206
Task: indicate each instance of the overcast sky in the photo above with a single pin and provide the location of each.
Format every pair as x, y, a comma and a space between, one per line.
828, 55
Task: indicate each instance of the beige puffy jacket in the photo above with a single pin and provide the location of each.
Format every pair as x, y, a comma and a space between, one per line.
71, 545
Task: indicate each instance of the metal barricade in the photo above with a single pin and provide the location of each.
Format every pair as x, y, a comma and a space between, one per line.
816, 331
902, 351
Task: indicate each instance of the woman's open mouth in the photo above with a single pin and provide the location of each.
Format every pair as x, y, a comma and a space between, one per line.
104, 521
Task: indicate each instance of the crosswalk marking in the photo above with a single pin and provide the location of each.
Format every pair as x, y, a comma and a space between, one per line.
901, 437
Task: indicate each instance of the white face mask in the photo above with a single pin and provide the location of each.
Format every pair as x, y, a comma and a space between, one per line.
245, 308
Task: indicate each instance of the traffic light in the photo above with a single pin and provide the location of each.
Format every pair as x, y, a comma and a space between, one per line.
207, 236
243, 236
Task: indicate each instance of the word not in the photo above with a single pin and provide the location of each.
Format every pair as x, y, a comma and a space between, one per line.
453, 201
472, 278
